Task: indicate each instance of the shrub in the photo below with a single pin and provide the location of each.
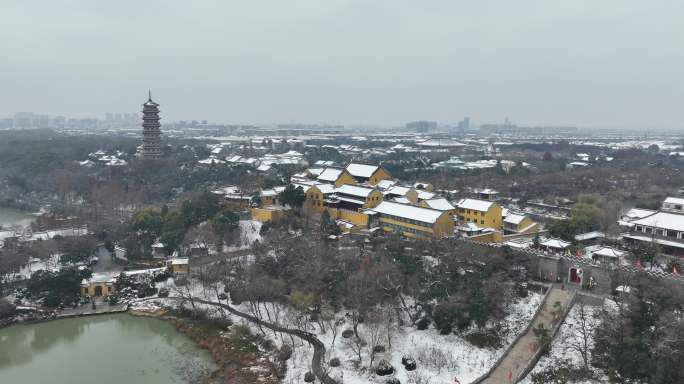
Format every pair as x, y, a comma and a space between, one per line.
435, 358
162, 276
384, 368
7, 309
347, 333
52, 300
521, 290
334, 362
423, 323
309, 377
484, 339
379, 348
409, 363
284, 353
392, 380
163, 292
444, 317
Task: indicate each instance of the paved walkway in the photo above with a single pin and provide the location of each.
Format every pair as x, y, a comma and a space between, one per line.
520, 353
105, 261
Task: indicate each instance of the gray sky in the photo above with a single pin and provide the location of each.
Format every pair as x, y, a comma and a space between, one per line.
609, 63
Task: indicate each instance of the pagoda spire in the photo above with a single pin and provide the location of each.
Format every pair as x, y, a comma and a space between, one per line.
151, 132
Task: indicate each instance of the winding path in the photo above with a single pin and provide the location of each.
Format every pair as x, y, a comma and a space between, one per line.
319, 347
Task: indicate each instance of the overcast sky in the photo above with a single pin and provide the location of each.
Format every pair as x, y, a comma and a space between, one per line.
603, 63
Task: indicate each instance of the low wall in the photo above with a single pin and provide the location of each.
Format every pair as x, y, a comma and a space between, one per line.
357, 218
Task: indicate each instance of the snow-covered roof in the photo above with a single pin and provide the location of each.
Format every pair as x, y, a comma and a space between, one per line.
440, 204
326, 189
589, 236
424, 215
655, 240
398, 190
101, 277
674, 200
386, 184
330, 174
478, 205
555, 243
180, 261
519, 243
638, 213
268, 193
350, 200
361, 170
263, 168
211, 160
401, 200
487, 191
609, 252
425, 195
354, 190
344, 223
514, 218
315, 171
663, 220
469, 227
325, 163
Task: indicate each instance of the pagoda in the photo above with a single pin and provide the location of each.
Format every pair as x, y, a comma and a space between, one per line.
151, 131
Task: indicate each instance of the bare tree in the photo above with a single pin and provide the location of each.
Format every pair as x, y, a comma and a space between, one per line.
374, 331
357, 344
581, 341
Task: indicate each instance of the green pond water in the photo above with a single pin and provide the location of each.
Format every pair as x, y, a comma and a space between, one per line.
107, 349
11, 217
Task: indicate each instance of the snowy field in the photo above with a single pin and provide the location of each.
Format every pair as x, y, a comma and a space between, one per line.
439, 358
34, 265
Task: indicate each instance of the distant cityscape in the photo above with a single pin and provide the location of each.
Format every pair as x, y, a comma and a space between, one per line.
123, 122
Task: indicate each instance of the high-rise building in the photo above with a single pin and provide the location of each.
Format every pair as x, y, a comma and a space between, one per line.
421, 126
151, 131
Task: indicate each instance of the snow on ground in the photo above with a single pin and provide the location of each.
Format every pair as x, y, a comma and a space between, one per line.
34, 265
568, 334
249, 233
439, 358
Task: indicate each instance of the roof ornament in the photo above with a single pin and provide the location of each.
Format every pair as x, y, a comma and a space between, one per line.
149, 94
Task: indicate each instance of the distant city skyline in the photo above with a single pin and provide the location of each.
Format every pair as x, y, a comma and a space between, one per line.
611, 63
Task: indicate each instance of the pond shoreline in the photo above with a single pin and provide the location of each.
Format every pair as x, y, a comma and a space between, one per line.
234, 365
232, 362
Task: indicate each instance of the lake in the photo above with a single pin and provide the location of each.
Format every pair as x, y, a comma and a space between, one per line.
106, 349
11, 217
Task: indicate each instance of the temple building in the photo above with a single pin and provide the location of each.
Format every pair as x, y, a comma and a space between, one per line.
151, 131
